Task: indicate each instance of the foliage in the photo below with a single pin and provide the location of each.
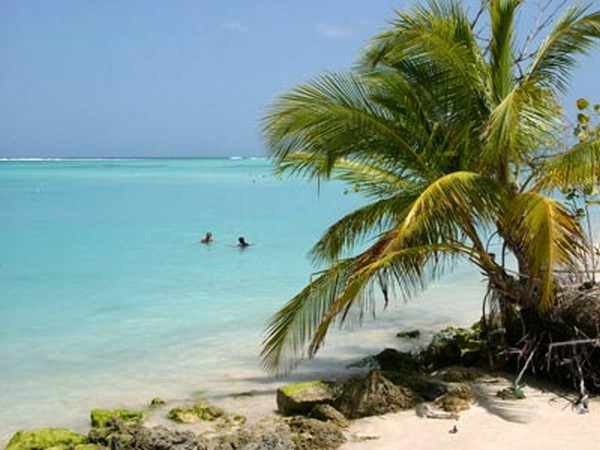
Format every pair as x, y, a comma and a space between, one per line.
454, 137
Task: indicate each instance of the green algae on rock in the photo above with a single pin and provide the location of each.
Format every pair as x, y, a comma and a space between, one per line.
301, 398
205, 411
100, 417
44, 438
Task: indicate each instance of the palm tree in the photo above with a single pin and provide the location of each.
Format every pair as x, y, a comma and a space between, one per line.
453, 137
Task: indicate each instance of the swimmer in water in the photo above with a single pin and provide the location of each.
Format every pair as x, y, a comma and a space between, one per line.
207, 239
242, 242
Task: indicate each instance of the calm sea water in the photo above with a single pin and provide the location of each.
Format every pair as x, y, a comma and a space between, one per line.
107, 299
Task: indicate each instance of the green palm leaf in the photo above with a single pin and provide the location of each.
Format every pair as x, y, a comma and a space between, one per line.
578, 167
550, 237
573, 35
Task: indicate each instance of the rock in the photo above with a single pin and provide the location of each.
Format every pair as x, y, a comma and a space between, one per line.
114, 433
457, 374
160, 438
301, 398
201, 410
44, 438
373, 395
394, 361
427, 388
312, 434
157, 402
117, 435
412, 334
267, 434
100, 417
456, 400
454, 346
328, 413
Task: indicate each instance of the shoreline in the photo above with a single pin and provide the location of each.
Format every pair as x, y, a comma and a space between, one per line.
544, 419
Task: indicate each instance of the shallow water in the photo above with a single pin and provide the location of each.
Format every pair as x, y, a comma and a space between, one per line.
107, 299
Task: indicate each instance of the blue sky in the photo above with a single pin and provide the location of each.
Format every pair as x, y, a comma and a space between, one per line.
172, 77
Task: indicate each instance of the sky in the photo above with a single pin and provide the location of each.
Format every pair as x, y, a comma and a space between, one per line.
187, 78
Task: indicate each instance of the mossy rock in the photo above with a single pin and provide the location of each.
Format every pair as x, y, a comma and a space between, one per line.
89, 447
412, 334
101, 417
201, 410
301, 398
45, 438
454, 346
456, 400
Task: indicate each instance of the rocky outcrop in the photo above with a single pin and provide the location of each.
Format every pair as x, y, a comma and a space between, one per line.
294, 433
456, 400
327, 413
454, 346
313, 434
43, 438
101, 417
373, 395
301, 398
392, 360
117, 435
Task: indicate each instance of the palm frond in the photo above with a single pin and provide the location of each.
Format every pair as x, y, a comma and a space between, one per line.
502, 16
306, 318
451, 206
364, 222
522, 123
550, 237
578, 167
333, 117
573, 35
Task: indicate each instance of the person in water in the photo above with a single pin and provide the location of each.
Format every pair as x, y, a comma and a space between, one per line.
207, 239
242, 242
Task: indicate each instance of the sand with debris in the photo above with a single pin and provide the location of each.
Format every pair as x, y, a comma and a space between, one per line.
545, 419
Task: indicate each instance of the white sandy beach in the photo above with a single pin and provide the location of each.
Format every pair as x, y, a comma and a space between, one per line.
544, 420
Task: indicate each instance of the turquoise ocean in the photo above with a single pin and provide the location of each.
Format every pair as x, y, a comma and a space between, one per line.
107, 299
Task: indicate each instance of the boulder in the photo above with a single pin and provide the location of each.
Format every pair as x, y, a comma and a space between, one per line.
373, 395
456, 400
44, 438
101, 417
201, 410
412, 334
301, 398
392, 360
427, 388
313, 434
117, 435
328, 413
267, 434
454, 346
160, 438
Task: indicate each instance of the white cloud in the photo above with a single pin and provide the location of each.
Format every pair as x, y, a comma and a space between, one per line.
333, 31
235, 27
